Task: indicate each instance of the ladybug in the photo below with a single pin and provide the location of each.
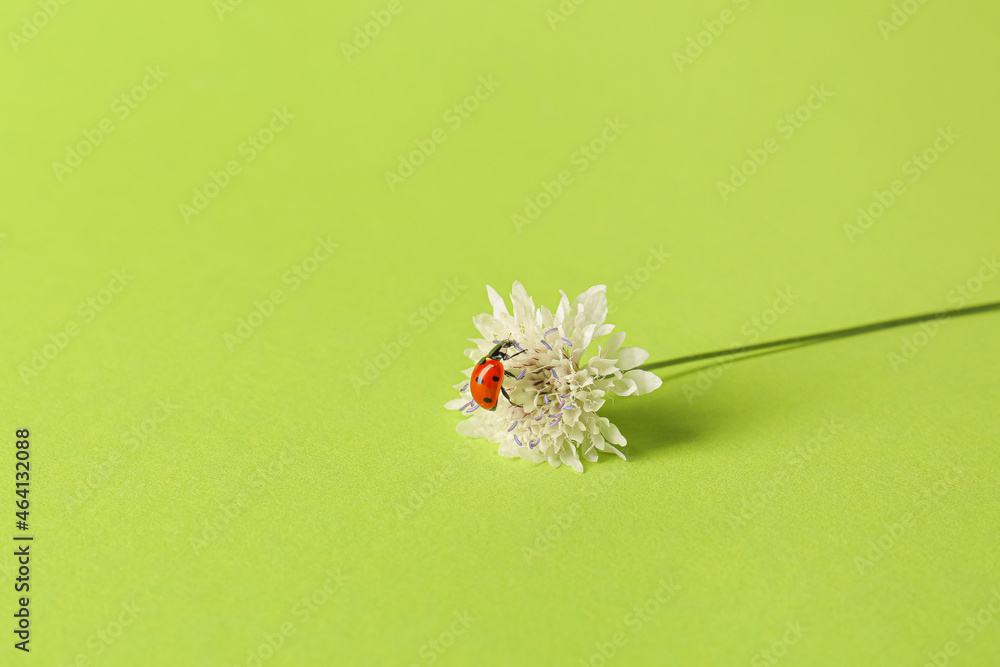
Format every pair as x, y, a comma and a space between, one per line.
486, 382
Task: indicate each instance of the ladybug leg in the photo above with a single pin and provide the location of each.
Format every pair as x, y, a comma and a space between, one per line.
507, 396
509, 374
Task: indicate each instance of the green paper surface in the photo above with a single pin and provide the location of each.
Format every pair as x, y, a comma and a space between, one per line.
217, 218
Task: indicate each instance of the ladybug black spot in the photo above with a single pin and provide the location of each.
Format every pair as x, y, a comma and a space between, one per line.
487, 400
496, 379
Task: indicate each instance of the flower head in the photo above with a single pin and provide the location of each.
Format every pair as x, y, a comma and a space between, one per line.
558, 383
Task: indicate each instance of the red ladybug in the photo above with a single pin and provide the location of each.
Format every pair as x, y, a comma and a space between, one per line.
486, 382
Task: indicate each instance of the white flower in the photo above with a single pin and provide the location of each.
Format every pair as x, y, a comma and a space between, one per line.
560, 384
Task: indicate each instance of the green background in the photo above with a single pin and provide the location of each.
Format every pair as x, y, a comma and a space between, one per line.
276, 465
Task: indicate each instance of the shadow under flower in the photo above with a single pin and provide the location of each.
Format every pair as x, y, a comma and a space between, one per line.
665, 419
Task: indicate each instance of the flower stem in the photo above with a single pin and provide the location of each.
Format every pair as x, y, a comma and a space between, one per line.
825, 336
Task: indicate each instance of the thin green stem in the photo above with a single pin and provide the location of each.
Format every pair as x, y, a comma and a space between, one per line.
827, 335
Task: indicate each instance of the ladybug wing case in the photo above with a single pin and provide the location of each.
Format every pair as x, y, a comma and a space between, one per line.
487, 378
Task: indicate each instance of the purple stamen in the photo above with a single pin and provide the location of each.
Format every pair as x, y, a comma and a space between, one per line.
546, 345
512, 426
555, 421
465, 406
570, 407
546, 399
496, 341
519, 443
475, 406
539, 417
551, 330
465, 387
534, 443
554, 374
568, 341
519, 348
561, 406
563, 395
522, 374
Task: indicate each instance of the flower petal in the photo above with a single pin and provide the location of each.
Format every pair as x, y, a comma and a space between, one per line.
611, 432
508, 449
617, 452
624, 386
645, 381
612, 345
524, 307
487, 325
499, 307
630, 357
583, 336
562, 311
591, 307
569, 456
